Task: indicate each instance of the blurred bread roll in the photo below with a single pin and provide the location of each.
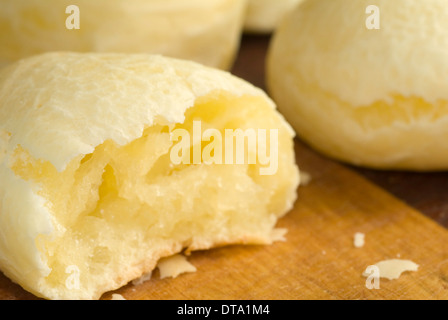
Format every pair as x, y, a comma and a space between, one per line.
92, 194
207, 32
263, 16
366, 84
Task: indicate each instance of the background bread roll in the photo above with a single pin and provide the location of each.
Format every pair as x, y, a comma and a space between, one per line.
263, 16
367, 96
90, 197
204, 31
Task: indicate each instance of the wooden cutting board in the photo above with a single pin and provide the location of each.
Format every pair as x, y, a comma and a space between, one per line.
319, 259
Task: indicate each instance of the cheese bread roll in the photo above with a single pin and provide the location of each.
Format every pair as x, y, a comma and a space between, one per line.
204, 31
263, 16
109, 162
366, 82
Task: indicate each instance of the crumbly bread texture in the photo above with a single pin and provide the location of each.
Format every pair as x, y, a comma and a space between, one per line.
172, 267
370, 97
392, 269
89, 196
203, 31
263, 16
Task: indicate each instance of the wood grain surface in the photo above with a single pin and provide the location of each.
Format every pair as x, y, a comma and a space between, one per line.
402, 215
319, 259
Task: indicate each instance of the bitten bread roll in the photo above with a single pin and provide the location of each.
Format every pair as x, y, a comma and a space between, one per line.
263, 16
94, 185
366, 82
203, 31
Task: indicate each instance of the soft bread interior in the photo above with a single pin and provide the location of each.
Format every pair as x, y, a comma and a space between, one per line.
120, 209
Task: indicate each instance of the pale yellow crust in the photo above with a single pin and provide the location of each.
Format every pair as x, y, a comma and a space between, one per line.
127, 90
264, 16
204, 31
370, 97
89, 200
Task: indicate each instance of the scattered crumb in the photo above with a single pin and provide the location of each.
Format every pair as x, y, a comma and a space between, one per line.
305, 178
279, 235
142, 279
359, 240
117, 296
392, 269
174, 266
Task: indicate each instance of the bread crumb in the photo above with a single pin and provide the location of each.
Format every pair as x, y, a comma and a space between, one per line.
174, 266
142, 279
393, 269
278, 235
305, 178
359, 240
117, 296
